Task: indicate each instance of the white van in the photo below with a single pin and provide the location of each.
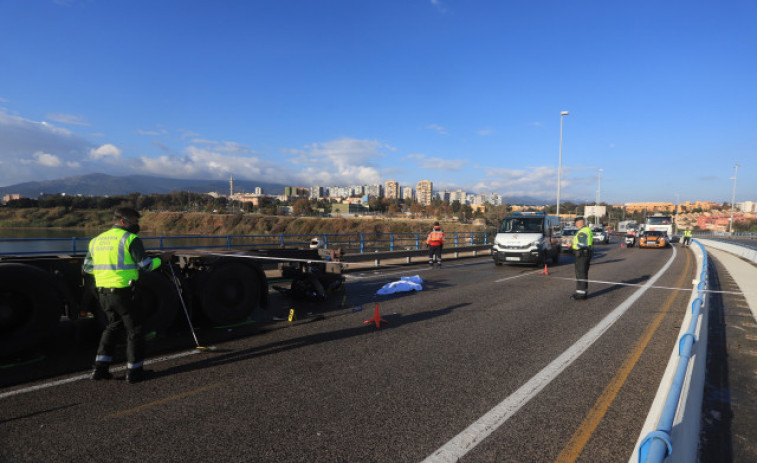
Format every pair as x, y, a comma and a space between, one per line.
527, 238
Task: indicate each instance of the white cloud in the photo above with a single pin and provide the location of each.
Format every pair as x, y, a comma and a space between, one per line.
485, 131
340, 162
433, 163
47, 160
203, 163
41, 159
152, 133
438, 129
532, 181
105, 151
69, 119
439, 6
33, 150
228, 147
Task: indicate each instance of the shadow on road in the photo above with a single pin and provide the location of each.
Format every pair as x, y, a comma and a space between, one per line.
393, 321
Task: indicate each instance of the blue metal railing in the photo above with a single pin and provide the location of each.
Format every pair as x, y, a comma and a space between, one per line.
657, 445
348, 242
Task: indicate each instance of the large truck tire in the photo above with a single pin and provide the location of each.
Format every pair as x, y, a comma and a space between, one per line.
229, 293
157, 297
30, 307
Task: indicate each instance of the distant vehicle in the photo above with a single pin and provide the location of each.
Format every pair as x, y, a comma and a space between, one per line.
601, 235
626, 225
566, 240
653, 239
659, 222
527, 237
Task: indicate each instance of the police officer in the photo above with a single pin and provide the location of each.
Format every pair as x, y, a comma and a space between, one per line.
115, 258
583, 248
435, 242
686, 237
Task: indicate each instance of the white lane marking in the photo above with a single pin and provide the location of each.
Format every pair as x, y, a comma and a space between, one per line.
72, 379
620, 283
474, 434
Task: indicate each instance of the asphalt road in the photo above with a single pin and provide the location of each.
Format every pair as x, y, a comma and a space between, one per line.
486, 364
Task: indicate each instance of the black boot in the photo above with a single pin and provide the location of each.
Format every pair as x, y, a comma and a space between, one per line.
101, 372
135, 375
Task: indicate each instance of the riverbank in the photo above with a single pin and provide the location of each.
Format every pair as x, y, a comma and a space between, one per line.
172, 223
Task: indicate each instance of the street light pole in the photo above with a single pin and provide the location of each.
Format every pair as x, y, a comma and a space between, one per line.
599, 188
733, 198
559, 163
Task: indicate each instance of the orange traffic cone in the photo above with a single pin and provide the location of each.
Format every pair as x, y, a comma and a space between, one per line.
545, 271
376, 318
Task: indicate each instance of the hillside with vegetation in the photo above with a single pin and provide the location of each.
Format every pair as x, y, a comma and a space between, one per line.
202, 223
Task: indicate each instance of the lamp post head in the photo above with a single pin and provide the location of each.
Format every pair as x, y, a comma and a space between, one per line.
563, 113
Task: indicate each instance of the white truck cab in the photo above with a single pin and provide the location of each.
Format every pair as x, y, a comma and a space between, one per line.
527, 238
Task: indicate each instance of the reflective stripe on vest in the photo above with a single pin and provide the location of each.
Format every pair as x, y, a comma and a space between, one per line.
113, 266
435, 237
586, 231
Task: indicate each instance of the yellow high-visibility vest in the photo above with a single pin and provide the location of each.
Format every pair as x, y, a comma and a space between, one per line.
112, 264
578, 242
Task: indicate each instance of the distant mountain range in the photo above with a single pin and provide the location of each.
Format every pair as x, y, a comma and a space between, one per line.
103, 184
110, 185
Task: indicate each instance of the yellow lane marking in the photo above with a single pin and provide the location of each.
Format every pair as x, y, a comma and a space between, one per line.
162, 401
584, 432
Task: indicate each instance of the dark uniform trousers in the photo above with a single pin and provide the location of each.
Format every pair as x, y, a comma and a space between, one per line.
434, 254
122, 308
582, 261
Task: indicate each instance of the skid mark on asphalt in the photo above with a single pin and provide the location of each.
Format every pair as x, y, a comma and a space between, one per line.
162, 401
474, 434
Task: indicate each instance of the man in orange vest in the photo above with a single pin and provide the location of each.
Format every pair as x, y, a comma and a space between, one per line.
435, 241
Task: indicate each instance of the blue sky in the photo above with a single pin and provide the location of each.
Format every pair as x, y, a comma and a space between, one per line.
662, 95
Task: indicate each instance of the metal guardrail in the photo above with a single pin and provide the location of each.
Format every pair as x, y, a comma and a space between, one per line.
738, 235
658, 444
349, 242
742, 250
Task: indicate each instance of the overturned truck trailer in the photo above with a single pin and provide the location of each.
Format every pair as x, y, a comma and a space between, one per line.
38, 294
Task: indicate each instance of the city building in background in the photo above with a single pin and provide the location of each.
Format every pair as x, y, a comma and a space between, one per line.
747, 206
595, 211
392, 189
424, 192
649, 207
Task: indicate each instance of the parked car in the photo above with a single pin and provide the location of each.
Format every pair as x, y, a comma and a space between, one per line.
653, 239
601, 235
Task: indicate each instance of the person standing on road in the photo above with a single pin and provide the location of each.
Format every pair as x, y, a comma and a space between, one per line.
115, 258
686, 237
583, 248
435, 241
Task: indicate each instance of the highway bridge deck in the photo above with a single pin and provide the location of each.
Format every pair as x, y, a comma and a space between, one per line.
566, 380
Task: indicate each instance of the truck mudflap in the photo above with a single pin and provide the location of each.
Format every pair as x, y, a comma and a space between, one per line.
30, 307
